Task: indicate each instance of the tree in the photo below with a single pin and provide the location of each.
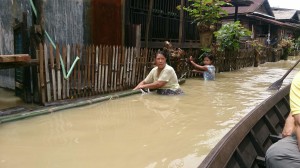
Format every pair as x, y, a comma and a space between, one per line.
206, 14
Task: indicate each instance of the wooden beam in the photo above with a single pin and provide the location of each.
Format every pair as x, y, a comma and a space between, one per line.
15, 58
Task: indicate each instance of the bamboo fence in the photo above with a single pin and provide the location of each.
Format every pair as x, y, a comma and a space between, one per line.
106, 69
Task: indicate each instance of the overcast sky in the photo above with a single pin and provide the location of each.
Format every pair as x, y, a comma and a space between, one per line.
290, 4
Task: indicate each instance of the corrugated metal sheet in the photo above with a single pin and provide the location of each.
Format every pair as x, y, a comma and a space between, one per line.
261, 6
275, 22
284, 13
246, 9
64, 20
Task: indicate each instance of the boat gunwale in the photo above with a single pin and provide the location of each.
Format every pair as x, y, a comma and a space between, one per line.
220, 155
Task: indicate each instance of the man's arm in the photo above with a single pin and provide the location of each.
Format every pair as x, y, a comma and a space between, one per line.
203, 68
289, 126
139, 85
154, 85
297, 128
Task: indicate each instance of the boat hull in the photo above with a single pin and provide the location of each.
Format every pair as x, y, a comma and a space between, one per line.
245, 144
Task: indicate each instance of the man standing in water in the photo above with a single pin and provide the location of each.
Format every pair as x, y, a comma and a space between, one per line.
162, 77
286, 152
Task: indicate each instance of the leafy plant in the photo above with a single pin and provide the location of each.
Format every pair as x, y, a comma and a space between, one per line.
286, 43
297, 43
257, 46
228, 36
204, 52
206, 13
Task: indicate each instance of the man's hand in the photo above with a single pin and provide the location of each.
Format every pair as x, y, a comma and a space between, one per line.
191, 58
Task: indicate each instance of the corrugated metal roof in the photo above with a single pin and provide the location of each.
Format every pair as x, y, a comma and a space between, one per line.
246, 9
272, 21
284, 13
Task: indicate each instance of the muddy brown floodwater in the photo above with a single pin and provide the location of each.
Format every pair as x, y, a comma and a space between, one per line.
141, 131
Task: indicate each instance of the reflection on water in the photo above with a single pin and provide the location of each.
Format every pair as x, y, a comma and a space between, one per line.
148, 131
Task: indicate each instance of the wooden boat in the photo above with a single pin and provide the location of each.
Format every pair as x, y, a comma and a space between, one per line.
245, 144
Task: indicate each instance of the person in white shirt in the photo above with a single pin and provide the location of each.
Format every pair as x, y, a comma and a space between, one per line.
161, 78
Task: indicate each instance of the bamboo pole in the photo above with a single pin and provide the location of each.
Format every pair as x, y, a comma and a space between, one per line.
53, 75
68, 68
67, 105
58, 72
47, 73
42, 79
64, 84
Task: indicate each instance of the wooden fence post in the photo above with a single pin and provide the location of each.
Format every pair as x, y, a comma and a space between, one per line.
58, 72
47, 73
68, 68
64, 84
42, 80
53, 75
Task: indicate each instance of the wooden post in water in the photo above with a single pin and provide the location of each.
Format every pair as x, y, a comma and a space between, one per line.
42, 80
47, 73
105, 72
53, 75
93, 70
58, 72
96, 71
64, 84
88, 64
68, 68
78, 85
100, 75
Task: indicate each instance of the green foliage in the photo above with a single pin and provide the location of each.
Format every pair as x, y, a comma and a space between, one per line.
205, 51
286, 44
205, 12
229, 34
297, 43
257, 46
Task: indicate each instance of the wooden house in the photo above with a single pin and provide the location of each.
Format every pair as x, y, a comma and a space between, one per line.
163, 22
288, 16
260, 19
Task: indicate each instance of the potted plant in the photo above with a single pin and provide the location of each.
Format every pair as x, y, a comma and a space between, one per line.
206, 14
228, 40
229, 35
286, 45
258, 51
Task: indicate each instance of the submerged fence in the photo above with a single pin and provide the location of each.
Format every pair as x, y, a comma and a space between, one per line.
107, 69
100, 70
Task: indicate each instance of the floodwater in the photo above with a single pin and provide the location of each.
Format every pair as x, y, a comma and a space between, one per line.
7, 99
141, 131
